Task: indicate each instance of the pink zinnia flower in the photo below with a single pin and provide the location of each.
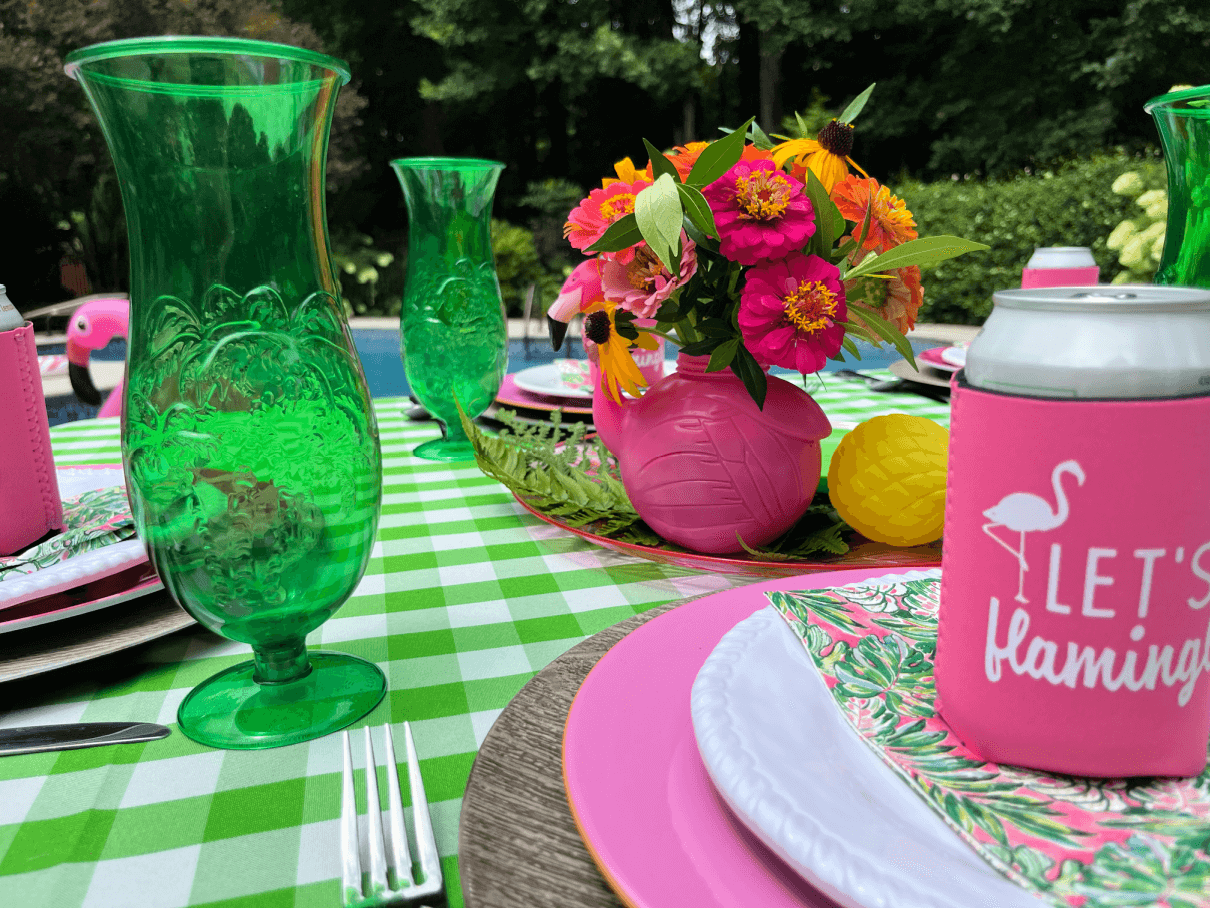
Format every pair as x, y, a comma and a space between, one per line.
792, 312
590, 219
643, 283
761, 213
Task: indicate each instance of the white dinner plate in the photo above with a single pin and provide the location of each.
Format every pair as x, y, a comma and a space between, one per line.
548, 380
785, 760
955, 356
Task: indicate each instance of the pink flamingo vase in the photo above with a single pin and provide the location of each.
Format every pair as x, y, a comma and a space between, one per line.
93, 325
704, 466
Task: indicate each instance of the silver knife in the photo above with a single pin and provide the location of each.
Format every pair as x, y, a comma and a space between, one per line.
39, 738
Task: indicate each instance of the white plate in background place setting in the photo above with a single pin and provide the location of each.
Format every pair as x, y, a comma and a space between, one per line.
548, 380
790, 767
955, 356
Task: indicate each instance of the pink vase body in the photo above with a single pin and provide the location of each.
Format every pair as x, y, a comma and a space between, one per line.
704, 466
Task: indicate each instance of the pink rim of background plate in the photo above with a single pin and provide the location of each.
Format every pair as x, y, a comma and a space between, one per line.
638, 789
932, 358
866, 555
512, 396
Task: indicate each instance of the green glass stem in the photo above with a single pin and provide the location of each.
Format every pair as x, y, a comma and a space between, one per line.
1183, 121
281, 664
250, 447
452, 326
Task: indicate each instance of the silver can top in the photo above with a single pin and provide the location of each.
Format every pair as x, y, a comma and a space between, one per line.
1062, 257
1124, 299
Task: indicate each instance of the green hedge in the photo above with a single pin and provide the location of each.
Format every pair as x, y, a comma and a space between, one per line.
1072, 205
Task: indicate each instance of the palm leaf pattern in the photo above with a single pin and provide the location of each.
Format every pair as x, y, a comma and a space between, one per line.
91, 520
1072, 841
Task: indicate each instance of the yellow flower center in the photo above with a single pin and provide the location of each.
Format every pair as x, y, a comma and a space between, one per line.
762, 196
618, 206
811, 307
645, 268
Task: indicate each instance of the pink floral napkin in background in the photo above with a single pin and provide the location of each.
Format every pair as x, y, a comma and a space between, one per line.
1073, 841
91, 520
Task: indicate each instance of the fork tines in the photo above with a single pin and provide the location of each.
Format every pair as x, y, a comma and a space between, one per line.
400, 887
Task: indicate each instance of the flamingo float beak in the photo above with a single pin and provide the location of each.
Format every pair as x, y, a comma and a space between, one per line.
81, 383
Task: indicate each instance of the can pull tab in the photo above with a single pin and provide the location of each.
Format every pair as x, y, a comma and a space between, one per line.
10, 318
1100, 296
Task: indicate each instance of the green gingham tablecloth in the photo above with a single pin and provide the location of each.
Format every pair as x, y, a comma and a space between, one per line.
466, 597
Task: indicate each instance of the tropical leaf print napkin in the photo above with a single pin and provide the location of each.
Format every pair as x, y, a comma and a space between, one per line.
1072, 841
91, 520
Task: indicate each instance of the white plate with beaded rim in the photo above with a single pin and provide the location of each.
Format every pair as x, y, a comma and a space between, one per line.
786, 762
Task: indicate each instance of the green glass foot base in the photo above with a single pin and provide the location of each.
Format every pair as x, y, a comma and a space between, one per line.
446, 450
231, 711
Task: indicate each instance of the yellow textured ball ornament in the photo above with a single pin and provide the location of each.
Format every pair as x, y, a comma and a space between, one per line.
887, 479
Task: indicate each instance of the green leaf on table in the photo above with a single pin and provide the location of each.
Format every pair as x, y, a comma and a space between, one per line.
658, 213
718, 157
697, 209
621, 234
659, 162
856, 106
556, 472
924, 251
820, 531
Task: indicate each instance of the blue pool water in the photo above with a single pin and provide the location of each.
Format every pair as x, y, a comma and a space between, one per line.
379, 352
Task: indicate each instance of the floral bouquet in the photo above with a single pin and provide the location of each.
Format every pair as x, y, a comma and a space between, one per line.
753, 253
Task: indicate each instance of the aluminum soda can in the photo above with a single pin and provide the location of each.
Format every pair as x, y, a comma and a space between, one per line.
1119, 341
1060, 266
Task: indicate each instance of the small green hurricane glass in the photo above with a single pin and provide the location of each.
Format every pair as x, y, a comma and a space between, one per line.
453, 333
250, 448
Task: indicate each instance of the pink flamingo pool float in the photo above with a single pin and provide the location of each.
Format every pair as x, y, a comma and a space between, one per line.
92, 327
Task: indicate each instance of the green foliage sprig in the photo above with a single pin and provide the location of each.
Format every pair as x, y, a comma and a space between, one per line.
556, 470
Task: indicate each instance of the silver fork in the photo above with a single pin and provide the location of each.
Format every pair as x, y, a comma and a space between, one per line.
400, 887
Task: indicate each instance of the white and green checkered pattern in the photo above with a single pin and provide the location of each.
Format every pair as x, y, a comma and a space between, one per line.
465, 598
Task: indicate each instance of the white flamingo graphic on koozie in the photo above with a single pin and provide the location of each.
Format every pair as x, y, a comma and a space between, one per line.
1023, 512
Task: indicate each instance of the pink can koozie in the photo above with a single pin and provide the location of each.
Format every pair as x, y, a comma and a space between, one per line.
1074, 631
30, 506
1060, 266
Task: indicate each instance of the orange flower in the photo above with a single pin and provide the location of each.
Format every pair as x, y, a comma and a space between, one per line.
626, 172
752, 153
683, 158
897, 300
890, 221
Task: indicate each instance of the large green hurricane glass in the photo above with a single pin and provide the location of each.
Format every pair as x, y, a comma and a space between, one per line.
251, 452
1183, 121
454, 336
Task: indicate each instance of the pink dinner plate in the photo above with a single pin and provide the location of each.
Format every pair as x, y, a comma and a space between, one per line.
934, 358
638, 790
512, 396
862, 554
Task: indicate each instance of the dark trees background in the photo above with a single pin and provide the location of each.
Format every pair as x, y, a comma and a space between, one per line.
560, 89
